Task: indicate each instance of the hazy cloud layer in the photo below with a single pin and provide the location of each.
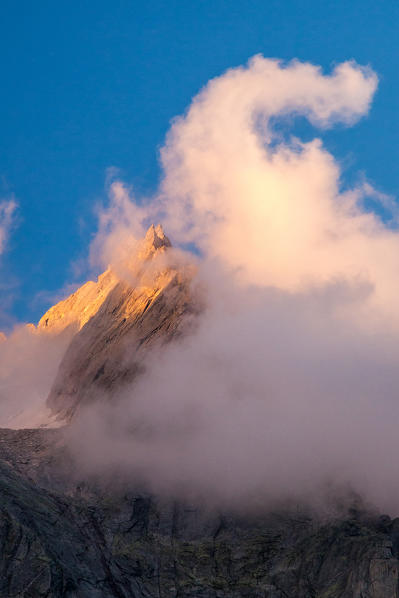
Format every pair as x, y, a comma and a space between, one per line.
271, 209
29, 360
273, 398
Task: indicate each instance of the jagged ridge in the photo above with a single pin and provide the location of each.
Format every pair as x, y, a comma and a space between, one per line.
125, 321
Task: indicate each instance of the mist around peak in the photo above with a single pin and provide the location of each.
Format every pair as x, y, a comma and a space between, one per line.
286, 389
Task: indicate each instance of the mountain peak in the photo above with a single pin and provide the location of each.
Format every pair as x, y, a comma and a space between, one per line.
156, 237
79, 307
155, 240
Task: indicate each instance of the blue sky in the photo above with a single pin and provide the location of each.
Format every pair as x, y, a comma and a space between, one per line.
90, 85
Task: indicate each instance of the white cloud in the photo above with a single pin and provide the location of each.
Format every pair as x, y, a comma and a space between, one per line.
272, 210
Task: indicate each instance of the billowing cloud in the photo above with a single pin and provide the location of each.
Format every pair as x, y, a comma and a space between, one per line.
272, 208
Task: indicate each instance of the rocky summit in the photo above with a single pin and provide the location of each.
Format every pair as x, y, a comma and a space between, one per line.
125, 321
65, 534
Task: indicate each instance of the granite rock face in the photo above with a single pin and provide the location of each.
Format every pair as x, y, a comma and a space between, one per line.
117, 322
111, 348
84, 303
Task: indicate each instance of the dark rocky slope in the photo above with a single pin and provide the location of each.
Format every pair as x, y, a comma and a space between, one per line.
62, 538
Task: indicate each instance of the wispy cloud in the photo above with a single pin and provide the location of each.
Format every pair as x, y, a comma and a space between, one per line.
7, 213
